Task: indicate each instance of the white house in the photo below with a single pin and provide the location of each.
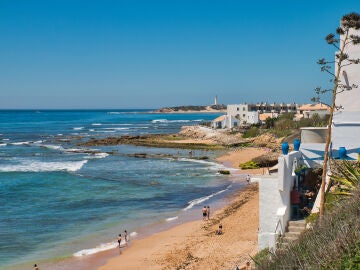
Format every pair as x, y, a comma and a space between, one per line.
225, 121
274, 190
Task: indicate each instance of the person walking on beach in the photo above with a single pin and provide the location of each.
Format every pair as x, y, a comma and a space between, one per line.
248, 178
204, 212
126, 237
36, 267
208, 212
119, 239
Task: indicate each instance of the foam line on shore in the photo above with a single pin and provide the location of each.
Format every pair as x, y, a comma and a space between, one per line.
197, 201
213, 165
171, 218
102, 247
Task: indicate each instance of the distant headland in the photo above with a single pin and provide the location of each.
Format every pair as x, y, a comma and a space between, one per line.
191, 108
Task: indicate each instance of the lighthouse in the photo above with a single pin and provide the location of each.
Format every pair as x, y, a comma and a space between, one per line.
216, 101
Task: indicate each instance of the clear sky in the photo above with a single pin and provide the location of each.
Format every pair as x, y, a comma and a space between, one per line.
150, 54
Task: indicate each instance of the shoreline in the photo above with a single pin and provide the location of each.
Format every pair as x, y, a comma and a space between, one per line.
157, 242
174, 247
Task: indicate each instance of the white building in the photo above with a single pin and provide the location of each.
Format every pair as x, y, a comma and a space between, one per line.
274, 190
225, 121
244, 113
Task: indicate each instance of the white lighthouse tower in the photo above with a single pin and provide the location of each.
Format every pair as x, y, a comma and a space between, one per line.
216, 101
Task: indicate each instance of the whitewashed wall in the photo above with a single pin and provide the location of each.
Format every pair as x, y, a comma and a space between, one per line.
274, 200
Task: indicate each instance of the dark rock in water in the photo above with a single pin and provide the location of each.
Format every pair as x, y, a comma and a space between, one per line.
223, 171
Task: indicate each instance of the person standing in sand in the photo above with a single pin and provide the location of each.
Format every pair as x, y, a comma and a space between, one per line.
248, 178
119, 239
126, 237
204, 212
208, 212
36, 267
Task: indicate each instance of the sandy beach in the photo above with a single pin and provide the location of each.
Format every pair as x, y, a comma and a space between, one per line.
195, 245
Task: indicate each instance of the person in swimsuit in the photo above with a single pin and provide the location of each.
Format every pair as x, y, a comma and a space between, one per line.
119, 240
126, 237
208, 212
204, 212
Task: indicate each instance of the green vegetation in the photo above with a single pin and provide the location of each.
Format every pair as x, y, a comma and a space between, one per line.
331, 244
346, 178
252, 132
249, 165
334, 241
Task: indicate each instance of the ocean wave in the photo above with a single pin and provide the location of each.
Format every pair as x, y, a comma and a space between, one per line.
53, 147
102, 247
21, 143
133, 234
169, 121
38, 166
6, 139
213, 165
3, 144
96, 124
171, 218
117, 128
99, 248
197, 201
100, 155
78, 128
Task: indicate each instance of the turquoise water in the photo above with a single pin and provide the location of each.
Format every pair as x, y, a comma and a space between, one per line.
58, 199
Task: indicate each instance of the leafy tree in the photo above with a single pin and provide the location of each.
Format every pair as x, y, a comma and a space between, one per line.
269, 122
341, 42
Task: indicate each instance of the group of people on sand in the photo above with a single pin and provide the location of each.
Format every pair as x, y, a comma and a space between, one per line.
123, 237
206, 212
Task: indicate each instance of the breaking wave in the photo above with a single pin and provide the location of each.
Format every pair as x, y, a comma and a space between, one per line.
197, 201
39, 166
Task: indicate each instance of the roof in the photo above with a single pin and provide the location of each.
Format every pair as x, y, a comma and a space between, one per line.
313, 107
219, 119
264, 116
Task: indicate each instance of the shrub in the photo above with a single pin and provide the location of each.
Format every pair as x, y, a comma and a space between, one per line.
249, 165
252, 132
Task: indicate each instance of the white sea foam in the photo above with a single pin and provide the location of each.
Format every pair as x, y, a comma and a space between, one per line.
78, 128
100, 155
171, 218
21, 143
102, 247
99, 248
3, 144
117, 128
6, 139
197, 201
212, 165
53, 147
133, 234
169, 121
38, 166
92, 130
96, 124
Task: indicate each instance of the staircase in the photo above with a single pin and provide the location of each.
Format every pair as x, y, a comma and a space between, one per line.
295, 228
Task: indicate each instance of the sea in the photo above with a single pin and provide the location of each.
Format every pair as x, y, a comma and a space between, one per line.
59, 200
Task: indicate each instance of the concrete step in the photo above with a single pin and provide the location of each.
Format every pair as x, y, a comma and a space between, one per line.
292, 234
297, 223
295, 229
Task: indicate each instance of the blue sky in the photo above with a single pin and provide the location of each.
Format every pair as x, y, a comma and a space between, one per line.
150, 54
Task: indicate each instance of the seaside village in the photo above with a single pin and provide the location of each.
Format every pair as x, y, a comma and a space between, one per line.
289, 192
